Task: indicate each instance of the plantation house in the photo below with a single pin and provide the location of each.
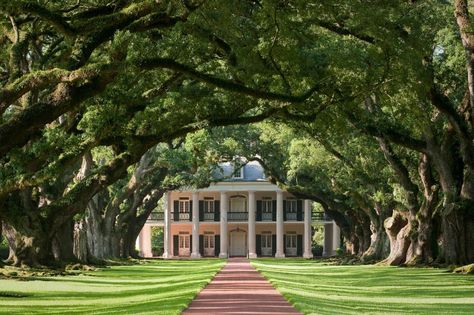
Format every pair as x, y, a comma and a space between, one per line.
244, 215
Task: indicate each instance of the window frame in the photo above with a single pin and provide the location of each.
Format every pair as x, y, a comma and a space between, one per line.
291, 205
267, 205
238, 174
209, 205
184, 205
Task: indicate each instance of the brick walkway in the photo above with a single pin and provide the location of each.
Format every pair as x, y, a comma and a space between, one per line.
239, 289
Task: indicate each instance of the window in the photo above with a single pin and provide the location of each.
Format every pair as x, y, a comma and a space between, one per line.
239, 174
184, 205
267, 240
184, 241
267, 205
208, 205
209, 241
238, 204
291, 241
291, 205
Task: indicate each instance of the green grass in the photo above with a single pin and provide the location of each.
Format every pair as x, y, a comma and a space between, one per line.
317, 288
158, 287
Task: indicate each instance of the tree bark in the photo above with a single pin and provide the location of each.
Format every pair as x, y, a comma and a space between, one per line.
63, 243
29, 245
81, 251
398, 229
378, 249
422, 241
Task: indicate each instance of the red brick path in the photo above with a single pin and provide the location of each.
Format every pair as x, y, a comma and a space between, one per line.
239, 289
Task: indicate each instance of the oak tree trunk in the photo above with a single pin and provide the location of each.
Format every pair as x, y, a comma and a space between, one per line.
29, 245
398, 231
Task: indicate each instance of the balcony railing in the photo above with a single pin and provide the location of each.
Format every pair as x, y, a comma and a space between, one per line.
157, 216
237, 216
184, 216
209, 216
320, 216
267, 216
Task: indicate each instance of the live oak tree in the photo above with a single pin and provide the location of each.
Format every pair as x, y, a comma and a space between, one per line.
395, 77
405, 86
115, 216
127, 75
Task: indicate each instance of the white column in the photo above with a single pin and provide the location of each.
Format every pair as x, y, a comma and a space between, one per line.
328, 243
336, 236
195, 250
251, 228
307, 230
145, 240
167, 227
224, 209
279, 226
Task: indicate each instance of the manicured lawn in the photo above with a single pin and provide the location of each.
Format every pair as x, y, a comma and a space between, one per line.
157, 287
317, 288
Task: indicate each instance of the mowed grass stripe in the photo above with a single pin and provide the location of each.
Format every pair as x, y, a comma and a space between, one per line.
317, 288
161, 287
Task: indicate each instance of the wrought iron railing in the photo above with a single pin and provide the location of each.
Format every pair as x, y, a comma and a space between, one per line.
320, 216
184, 216
267, 216
157, 216
237, 216
208, 216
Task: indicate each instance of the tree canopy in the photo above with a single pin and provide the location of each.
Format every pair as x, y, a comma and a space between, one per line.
368, 107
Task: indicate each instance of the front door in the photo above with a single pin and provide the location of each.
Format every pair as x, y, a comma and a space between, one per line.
291, 240
237, 244
266, 244
209, 248
184, 245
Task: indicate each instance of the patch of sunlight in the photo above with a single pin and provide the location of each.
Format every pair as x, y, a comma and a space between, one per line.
378, 299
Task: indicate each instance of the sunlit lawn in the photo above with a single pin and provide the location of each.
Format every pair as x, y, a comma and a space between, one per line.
158, 287
316, 288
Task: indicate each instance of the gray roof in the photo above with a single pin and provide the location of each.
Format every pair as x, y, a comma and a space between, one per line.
253, 171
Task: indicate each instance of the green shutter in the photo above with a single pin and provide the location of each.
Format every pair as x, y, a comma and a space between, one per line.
259, 210
176, 210
299, 210
217, 210
285, 209
274, 244
274, 210
201, 210
201, 245
175, 245
190, 210
258, 245
299, 245
217, 245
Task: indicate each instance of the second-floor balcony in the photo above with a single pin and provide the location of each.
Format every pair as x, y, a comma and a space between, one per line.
157, 216
209, 216
267, 216
237, 216
320, 216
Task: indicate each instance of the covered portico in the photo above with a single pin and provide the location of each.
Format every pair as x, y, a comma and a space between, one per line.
236, 219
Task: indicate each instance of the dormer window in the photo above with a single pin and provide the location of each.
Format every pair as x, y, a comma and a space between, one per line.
239, 174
